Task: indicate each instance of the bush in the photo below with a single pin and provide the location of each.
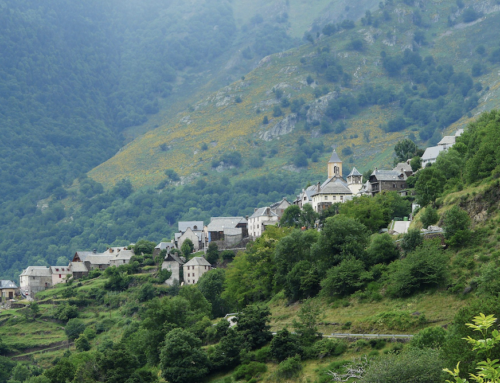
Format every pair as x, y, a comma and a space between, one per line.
289, 368
89, 333
456, 223
277, 112
344, 279
425, 267
327, 347
227, 255
377, 344
66, 312
429, 217
382, 249
411, 241
74, 328
82, 343
284, 345
430, 337
413, 366
212, 253
248, 371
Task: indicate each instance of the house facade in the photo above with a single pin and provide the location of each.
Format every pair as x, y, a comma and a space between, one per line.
387, 180
35, 279
233, 228
193, 230
172, 263
59, 274
168, 246
305, 196
259, 219
122, 257
279, 208
194, 269
78, 270
8, 290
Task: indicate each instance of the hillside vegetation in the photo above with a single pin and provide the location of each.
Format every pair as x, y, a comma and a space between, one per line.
300, 283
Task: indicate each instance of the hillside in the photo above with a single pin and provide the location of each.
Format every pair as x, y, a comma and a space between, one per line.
123, 324
425, 98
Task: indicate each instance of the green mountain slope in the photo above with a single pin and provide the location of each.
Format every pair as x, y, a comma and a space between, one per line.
405, 70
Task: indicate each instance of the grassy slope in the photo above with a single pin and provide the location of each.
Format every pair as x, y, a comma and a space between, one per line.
219, 120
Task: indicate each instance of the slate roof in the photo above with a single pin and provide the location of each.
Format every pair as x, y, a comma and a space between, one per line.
84, 254
124, 254
78, 267
221, 223
37, 271
173, 258
366, 188
100, 259
198, 261
387, 175
277, 204
354, 172
5, 284
165, 245
60, 269
447, 140
334, 185
403, 165
263, 211
183, 225
335, 157
432, 153
459, 132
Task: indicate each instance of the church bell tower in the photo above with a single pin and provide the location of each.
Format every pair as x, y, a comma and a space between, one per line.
335, 165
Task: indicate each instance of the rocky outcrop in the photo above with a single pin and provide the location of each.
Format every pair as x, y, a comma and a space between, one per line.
283, 127
480, 206
318, 108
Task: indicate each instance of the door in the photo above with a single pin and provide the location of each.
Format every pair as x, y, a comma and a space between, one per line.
11, 295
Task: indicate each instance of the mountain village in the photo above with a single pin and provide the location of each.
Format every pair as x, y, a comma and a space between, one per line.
229, 233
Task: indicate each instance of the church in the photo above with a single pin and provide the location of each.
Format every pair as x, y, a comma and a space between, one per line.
335, 189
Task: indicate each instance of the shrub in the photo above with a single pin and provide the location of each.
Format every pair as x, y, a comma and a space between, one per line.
289, 368
381, 250
415, 366
429, 217
377, 344
248, 371
227, 255
327, 347
89, 333
277, 112
74, 328
345, 278
456, 223
430, 337
411, 241
284, 345
423, 268
66, 312
82, 343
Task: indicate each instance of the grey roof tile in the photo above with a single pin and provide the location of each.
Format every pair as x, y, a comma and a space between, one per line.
335, 157
194, 225
198, 261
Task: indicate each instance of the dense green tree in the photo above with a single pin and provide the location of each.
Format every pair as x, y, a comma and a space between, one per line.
62, 372
227, 352
144, 247
425, 267
211, 285
182, 360
382, 249
405, 150
291, 216
430, 337
117, 365
146, 292
429, 217
253, 326
82, 343
74, 328
285, 345
341, 237
368, 211
187, 247
456, 224
306, 327
302, 281
212, 253
411, 240
6, 367
345, 278
430, 185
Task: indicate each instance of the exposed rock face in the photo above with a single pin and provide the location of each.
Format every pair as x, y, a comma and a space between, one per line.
283, 127
318, 108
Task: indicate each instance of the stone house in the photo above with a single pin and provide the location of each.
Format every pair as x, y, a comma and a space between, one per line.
35, 279
431, 154
279, 207
59, 274
122, 257
233, 228
194, 269
78, 270
8, 290
387, 180
259, 219
80, 256
173, 263
194, 230
98, 261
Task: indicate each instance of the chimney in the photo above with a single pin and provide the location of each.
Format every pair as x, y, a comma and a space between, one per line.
319, 187
254, 210
246, 217
94, 251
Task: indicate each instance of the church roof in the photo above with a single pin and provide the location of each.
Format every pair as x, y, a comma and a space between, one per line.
334, 185
335, 157
354, 172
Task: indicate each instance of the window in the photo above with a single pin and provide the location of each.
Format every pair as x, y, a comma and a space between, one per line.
57, 269
326, 198
394, 186
341, 197
334, 198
